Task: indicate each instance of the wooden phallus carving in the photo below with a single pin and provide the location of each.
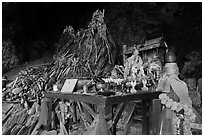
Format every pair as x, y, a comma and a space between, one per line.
170, 57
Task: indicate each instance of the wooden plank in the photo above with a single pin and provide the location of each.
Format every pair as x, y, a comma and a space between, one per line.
132, 97
88, 116
116, 117
129, 109
82, 115
55, 103
74, 112
118, 112
48, 112
63, 130
150, 119
102, 125
8, 114
103, 100
6, 108
62, 110
86, 112
45, 115
156, 110
145, 124
95, 99
8, 130
89, 109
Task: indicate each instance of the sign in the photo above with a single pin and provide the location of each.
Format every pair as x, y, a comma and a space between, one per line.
69, 85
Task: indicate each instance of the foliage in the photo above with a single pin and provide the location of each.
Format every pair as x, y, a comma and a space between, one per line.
179, 23
193, 66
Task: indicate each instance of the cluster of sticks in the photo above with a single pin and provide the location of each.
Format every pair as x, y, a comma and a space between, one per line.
27, 86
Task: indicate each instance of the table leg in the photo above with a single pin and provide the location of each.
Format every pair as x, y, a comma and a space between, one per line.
145, 123
102, 125
155, 116
74, 112
117, 116
112, 117
49, 117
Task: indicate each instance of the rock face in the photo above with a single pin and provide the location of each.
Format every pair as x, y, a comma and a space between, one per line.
9, 58
34, 55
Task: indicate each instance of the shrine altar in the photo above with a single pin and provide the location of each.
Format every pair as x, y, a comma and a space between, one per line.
151, 108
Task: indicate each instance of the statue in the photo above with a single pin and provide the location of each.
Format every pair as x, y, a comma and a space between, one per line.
177, 105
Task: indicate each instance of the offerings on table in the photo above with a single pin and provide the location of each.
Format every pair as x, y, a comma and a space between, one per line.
143, 68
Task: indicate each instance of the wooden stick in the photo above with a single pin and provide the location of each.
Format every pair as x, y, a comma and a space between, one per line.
63, 130
93, 114
7, 115
14, 83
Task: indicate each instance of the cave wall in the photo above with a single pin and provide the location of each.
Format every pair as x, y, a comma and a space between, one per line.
129, 23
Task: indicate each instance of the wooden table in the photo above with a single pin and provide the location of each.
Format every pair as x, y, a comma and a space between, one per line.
150, 109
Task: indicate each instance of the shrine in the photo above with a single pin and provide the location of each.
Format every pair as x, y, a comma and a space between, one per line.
84, 92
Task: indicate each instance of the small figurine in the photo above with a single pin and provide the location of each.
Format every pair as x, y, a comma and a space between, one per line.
144, 82
133, 84
133, 64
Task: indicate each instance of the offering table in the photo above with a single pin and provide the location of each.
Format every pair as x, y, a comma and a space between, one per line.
151, 108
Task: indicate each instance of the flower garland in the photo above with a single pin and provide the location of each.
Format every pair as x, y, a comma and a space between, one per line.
182, 121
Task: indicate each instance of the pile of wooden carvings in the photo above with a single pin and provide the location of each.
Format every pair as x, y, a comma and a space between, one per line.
87, 53
28, 86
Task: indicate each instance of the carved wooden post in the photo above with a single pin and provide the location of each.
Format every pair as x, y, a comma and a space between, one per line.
45, 115
102, 125
74, 112
49, 113
155, 116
